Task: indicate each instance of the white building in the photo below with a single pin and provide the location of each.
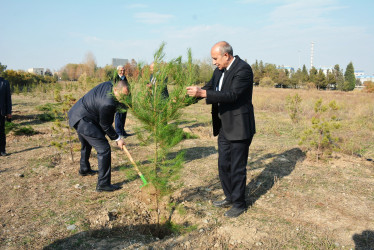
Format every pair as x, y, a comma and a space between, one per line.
119, 62
365, 78
38, 71
290, 69
359, 73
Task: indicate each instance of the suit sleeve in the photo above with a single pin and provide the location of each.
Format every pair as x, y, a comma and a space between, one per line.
106, 121
241, 82
209, 87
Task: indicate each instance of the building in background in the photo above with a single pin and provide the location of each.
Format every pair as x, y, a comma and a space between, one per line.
37, 71
290, 69
365, 78
359, 73
118, 61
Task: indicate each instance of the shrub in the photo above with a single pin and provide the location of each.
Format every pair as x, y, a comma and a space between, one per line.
369, 86
267, 82
320, 135
293, 107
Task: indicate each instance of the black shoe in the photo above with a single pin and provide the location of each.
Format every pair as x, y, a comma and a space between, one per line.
224, 203
127, 134
3, 154
89, 172
234, 212
109, 188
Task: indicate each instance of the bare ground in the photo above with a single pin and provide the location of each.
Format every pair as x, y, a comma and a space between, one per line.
293, 200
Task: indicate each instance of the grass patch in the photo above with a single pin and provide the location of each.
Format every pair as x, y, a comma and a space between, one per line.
27, 130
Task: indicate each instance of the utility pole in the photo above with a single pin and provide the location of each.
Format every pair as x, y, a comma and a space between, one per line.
311, 55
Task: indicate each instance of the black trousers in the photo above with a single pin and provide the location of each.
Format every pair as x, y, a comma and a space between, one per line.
232, 162
2, 134
91, 135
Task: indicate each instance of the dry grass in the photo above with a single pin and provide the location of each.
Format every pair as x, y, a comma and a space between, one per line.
295, 202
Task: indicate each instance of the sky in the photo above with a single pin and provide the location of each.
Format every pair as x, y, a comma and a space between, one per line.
51, 34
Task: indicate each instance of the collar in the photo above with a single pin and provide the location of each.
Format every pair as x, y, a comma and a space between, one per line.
230, 64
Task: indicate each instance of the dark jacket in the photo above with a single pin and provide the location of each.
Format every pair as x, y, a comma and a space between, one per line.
5, 98
98, 106
232, 107
165, 92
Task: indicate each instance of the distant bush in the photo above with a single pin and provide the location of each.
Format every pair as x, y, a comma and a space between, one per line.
369, 86
267, 82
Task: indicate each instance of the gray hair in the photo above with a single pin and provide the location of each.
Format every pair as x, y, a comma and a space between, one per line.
226, 48
120, 66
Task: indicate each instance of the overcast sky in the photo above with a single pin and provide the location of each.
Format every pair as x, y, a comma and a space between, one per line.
50, 34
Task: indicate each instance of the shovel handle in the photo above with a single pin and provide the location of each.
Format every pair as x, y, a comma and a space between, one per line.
131, 159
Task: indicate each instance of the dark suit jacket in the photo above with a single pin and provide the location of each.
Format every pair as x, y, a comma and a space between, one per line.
165, 92
232, 107
5, 98
98, 106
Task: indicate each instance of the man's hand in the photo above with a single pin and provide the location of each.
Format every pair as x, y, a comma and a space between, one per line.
9, 117
196, 91
121, 143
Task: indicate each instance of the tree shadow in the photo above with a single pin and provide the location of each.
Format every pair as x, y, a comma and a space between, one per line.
27, 149
282, 165
109, 238
194, 153
364, 241
28, 120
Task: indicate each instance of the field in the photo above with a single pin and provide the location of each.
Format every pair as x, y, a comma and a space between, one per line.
294, 200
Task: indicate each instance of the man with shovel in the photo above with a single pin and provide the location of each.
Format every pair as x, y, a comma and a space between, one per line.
92, 116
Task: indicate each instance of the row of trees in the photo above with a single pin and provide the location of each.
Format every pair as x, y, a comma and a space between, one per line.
270, 75
265, 74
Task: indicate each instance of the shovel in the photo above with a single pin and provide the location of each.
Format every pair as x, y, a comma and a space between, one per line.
135, 166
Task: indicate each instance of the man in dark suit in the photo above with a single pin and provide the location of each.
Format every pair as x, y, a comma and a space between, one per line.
120, 117
152, 81
230, 93
5, 112
92, 117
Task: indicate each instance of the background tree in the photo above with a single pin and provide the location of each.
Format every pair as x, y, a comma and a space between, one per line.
131, 69
320, 80
267, 82
89, 65
282, 78
330, 80
48, 72
271, 71
349, 77
305, 75
258, 71
313, 75
205, 70
296, 79
339, 77
2, 68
